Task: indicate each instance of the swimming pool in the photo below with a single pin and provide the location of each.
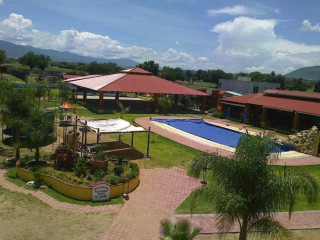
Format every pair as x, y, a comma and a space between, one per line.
209, 131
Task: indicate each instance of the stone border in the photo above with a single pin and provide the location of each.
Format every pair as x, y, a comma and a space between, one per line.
78, 192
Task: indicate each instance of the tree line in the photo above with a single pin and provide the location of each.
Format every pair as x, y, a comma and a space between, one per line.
172, 74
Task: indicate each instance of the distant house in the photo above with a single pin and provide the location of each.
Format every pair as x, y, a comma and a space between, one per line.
276, 109
68, 76
244, 85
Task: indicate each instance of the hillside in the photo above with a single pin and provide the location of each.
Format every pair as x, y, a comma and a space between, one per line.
16, 51
307, 73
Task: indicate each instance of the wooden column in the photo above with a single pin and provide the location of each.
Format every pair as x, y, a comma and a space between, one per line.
100, 102
84, 98
263, 117
176, 100
247, 107
296, 121
117, 96
203, 104
148, 144
156, 103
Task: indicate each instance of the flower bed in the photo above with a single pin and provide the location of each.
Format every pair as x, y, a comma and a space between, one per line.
80, 188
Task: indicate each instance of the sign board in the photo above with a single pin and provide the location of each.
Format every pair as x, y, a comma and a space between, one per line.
100, 192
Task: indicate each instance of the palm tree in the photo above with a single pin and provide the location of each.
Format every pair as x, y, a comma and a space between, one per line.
179, 231
200, 164
247, 191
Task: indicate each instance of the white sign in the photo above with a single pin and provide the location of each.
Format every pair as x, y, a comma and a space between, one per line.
100, 192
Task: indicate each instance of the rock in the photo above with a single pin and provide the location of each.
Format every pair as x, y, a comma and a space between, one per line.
30, 184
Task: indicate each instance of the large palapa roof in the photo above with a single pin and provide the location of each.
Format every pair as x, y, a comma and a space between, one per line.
133, 80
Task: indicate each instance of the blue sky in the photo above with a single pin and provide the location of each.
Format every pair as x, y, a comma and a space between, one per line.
234, 36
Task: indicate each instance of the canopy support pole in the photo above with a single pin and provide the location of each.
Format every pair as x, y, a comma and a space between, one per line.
98, 134
132, 139
148, 145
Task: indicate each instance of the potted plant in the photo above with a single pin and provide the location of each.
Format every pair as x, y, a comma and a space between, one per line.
99, 157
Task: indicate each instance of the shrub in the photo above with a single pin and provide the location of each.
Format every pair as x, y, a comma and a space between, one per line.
99, 175
80, 167
114, 180
37, 179
118, 170
98, 152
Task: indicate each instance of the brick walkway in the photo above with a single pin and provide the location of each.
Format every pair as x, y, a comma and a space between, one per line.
53, 202
299, 220
146, 123
159, 194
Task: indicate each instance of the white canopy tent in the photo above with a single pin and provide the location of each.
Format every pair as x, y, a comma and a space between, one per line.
112, 126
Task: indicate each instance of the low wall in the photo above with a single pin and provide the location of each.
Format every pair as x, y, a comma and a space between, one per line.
78, 192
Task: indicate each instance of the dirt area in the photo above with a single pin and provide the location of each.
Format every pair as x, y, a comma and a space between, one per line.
25, 217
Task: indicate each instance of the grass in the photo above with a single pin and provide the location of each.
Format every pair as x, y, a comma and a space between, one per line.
23, 216
11, 79
203, 207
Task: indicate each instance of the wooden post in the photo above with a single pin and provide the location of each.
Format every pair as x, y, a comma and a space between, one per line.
316, 147
156, 103
296, 121
85, 131
148, 145
98, 134
132, 139
204, 104
100, 102
247, 107
117, 96
84, 98
119, 137
76, 122
264, 117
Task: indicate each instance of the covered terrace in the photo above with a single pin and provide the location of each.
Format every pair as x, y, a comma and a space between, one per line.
134, 80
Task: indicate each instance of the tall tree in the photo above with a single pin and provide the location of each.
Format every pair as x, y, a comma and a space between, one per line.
38, 127
150, 66
247, 191
18, 103
3, 56
29, 59
178, 231
317, 87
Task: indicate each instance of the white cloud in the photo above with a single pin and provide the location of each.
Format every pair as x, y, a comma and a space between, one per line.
19, 30
177, 43
247, 44
235, 10
203, 59
307, 26
1, 2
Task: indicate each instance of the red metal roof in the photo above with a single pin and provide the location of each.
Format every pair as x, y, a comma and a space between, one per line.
137, 71
80, 77
135, 82
274, 102
67, 76
293, 93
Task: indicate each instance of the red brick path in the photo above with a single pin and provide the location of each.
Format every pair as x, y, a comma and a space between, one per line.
159, 194
299, 220
53, 202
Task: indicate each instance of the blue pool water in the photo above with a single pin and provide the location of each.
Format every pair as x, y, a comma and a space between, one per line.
208, 131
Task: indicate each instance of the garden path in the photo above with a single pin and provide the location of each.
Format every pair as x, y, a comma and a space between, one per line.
299, 220
159, 194
55, 203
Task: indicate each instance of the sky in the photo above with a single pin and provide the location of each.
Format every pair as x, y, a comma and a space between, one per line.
235, 36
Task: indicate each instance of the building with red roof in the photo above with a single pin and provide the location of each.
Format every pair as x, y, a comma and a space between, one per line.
277, 109
135, 80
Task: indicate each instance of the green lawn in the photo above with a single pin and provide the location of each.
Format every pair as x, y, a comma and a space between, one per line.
203, 207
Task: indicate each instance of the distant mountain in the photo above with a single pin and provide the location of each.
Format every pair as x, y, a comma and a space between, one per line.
16, 51
307, 73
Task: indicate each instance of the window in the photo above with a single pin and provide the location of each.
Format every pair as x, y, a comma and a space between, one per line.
255, 89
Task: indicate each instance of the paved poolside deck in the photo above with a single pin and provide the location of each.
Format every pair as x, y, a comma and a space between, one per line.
291, 158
